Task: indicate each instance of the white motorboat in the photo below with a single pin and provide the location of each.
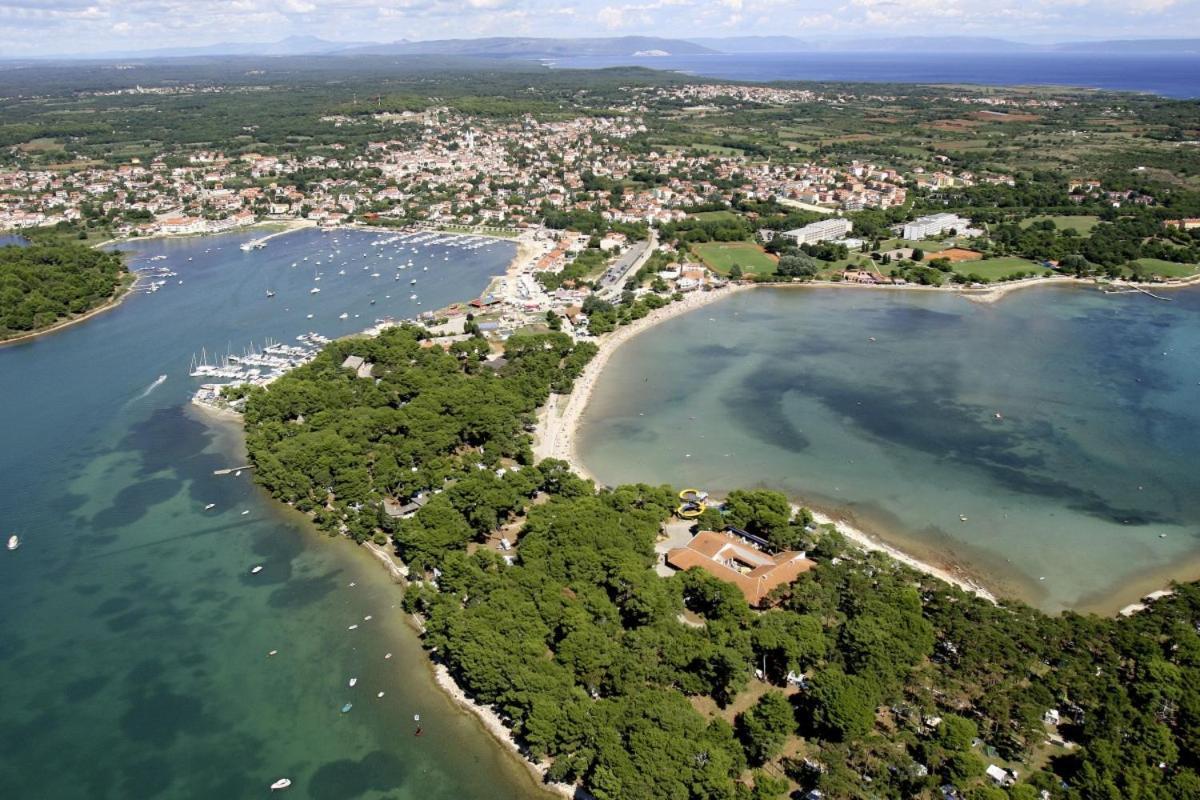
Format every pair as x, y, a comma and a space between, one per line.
14, 542
353, 681
257, 569
314, 290
343, 315
210, 506
282, 783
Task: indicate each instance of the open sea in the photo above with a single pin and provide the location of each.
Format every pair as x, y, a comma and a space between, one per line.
134, 639
882, 407
1168, 75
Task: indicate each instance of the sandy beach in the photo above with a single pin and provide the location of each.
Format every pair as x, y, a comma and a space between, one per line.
558, 419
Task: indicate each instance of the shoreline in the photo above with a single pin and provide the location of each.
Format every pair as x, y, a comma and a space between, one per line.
228, 426
558, 422
558, 419
124, 290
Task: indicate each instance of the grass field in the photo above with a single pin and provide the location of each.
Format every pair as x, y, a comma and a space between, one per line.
714, 216
1168, 269
994, 269
720, 256
925, 245
1082, 224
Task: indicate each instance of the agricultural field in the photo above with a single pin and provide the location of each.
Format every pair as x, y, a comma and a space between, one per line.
721, 256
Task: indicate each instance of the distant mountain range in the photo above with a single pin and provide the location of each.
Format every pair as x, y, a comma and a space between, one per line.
507, 47
941, 44
533, 47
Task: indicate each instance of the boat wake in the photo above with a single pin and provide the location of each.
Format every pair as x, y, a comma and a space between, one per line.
157, 383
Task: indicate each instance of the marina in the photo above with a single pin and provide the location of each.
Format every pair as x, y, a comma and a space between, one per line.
131, 603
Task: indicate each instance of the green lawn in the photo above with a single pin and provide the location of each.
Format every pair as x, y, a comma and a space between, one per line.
924, 245
994, 269
720, 256
1168, 269
1082, 224
714, 216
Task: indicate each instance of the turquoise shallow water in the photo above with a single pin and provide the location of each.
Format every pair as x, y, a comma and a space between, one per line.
1084, 495
134, 640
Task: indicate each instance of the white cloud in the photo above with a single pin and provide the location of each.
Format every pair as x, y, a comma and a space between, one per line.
46, 26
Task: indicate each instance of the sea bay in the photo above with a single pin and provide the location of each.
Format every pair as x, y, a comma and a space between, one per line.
1061, 423
1169, 74
134, 644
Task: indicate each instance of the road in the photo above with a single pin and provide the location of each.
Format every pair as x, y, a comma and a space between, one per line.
613, 279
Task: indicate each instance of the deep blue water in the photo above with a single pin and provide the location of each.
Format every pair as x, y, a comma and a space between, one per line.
1169, 75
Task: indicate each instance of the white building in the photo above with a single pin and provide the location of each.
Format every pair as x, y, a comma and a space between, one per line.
933, 225
823, 231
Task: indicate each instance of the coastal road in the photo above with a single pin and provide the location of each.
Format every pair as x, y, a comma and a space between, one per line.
624, 267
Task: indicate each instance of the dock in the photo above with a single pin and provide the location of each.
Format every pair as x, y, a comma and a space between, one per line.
231, 470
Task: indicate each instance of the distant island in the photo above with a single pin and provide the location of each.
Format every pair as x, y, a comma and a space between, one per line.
518, 47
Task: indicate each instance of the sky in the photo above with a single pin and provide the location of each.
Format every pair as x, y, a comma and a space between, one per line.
51, 27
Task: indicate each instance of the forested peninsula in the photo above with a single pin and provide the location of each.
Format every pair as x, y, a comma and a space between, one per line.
45, 284
863, 678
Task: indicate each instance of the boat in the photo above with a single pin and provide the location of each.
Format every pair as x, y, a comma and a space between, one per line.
352, 682
282, 783
314, 290
412, 297
343, 315
257, 569
270, 293
210, 506
412, 282
379, 695
346, 708
244, 513
14, 542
